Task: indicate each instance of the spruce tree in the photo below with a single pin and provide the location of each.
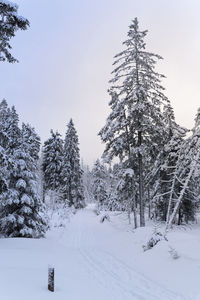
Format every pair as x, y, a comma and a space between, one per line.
3, 145
21, 209
126, 191
10, 23
72, 173
100, 185
87, 183
135, 126
53, 162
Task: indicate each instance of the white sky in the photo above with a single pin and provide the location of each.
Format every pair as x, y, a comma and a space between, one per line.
66, 59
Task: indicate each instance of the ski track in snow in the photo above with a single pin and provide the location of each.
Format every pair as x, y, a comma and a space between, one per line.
109, 272
91, 261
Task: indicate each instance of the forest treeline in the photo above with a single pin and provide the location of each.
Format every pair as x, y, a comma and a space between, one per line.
150, 167
158, 169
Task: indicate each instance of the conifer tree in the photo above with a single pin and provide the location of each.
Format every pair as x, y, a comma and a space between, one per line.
126, 191
3, 145
100, 185
9, 140
53, 162
10, 23
72, 173
32, 140
87, 183
21, 208
135, 126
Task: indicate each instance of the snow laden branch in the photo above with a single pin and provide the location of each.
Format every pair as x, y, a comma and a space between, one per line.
188, 165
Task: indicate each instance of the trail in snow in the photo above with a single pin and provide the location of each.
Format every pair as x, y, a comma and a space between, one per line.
92, 262
107, 272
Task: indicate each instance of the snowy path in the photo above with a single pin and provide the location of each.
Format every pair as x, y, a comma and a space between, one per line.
92, 262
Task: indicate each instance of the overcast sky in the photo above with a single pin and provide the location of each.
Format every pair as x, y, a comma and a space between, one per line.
66, 59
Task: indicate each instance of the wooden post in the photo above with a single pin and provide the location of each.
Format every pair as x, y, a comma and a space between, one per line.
51, 279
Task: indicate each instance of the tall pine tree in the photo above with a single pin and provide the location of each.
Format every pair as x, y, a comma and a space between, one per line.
135, 126
21, 209
72, 173
100, 185
53, 162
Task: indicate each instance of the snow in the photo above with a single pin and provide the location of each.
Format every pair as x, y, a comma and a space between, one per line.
21, 184
11, 4
94, 260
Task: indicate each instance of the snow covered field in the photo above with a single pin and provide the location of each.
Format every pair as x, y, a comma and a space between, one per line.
96, 261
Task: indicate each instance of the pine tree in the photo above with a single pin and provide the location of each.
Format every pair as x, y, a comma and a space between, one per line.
53, 162
9, 139
32, 140
72, 173
100, 185
21, 209
3, 145
87, 183
10, 23
135, 126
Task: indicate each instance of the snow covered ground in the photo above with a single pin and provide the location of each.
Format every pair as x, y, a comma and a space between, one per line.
101, 261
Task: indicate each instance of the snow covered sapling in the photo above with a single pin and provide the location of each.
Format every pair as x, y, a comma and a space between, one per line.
10, 22
105, 217
173, 253
156, 237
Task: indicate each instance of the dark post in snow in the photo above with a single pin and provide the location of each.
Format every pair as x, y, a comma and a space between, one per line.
51, 279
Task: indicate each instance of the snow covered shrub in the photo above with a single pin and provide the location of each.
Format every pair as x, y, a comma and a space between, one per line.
59, 216
155, 238
105, 217
173, 253
96, 211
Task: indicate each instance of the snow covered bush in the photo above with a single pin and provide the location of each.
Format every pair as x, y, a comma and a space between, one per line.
105, 217
59, 216
96, 211
173, 253
156, 237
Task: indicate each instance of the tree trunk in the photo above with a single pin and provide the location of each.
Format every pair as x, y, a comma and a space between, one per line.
149, 200
141, 189
134, 203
